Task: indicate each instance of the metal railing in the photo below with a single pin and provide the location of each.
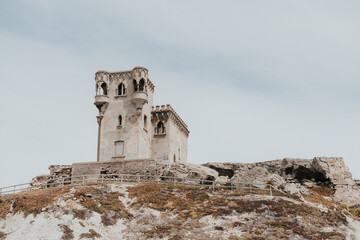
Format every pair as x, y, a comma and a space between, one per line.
128, 178
357, 181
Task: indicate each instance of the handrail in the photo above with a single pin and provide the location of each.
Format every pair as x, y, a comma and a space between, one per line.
127, 178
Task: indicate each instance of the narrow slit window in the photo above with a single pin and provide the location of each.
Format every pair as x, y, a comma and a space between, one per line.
120, 120
145, 121
119, 148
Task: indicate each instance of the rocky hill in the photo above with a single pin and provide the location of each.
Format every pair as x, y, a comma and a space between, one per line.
175, 211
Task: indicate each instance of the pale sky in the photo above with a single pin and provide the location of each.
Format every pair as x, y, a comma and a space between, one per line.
253, 80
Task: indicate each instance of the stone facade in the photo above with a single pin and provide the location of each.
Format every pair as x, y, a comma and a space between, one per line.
130, 127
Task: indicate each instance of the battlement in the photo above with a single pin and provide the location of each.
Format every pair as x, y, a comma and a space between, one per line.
136, 73
166, 112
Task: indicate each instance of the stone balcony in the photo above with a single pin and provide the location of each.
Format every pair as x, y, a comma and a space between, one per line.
139, 99
100, 100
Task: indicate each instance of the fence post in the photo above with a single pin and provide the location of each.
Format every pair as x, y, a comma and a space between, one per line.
14, 189
250, 188
102, 178
270, 191
62, 181
121, 179
83, 180
138, 179
213, 186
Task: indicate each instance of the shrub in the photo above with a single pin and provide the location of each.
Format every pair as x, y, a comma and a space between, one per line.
67, 232
91, 234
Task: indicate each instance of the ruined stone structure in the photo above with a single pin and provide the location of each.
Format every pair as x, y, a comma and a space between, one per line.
130, 128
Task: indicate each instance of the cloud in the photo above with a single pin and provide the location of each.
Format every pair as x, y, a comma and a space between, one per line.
254, 80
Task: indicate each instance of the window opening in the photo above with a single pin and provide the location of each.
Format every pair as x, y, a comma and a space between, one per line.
160, 128
120, 120
121, 89
135, 85
145, 121
119, 148
103, 90
142, 85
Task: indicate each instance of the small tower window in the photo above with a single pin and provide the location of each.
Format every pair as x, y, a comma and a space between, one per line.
119, 148
120, 120
142, 85
135, 85
145, 121
121, 89
160, 128
174, 158
103, 89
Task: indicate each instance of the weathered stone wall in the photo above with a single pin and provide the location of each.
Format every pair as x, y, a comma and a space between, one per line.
133, 167
170, 147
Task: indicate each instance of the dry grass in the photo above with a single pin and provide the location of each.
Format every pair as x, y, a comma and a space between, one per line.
194, 202
2, 235
4, 208
67, 232
79, 214
105, 203
30, 202
91, 234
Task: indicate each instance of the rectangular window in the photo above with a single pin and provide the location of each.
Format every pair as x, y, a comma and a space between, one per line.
119, 148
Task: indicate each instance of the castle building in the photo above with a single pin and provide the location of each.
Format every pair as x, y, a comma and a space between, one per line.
130, 127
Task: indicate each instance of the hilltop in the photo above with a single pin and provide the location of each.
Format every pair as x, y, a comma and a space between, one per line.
174, 211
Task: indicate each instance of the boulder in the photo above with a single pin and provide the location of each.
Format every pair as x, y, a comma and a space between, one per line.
334, 169
186, 171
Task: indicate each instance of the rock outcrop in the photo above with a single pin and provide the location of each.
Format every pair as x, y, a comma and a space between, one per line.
292, 175
295, 176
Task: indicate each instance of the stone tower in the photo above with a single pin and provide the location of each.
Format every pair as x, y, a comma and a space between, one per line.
130, 128
124, 100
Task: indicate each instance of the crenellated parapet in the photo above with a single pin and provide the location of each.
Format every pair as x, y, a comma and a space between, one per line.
137, 73
164, 113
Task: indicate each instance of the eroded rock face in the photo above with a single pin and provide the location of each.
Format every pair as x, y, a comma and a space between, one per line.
59, 175
40, 181
294, 175
349, 195
334, 169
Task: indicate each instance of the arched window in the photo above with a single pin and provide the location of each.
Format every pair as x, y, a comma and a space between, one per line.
121, 89
120, 120
135, 85
142, 85
103, 90
145, 121
160, 128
